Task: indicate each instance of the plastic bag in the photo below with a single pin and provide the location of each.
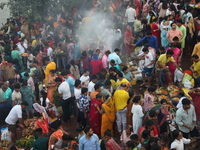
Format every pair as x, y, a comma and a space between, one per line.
186, 77
178, 75
187, 84
6, 135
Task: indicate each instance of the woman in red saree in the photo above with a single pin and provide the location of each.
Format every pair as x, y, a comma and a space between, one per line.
128, 39
176, 55
41, 122
155, 29
95, 114
138, 6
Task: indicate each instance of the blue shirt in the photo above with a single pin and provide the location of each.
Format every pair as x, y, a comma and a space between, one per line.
92, 144
7, 94
115, 57
71, 83
152, 41
84, 102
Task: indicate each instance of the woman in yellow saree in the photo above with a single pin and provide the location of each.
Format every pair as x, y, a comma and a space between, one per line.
108, 116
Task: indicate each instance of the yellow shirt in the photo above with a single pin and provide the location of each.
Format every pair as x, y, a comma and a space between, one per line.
118, 83
49, 67
33, 43
164, 60
121, 98
196, 68
196, 49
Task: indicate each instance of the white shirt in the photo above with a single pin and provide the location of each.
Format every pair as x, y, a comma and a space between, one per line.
47, 102
148, 59
77, 94
180, 102
130, 14
179, 145
65, 90
14, 115
17, 97
50, 53
30, 57
85, 79
91, 87
21, 48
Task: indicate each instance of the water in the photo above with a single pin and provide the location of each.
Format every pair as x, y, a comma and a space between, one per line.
4, 14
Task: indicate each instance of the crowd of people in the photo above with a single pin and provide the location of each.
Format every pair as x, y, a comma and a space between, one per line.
48, 73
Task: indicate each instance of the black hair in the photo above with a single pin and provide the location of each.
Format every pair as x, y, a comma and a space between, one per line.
186, 101
175, 39
99, 95
130, 144
46, 59
84, 90
77, 83
94, 77
108, 133
35, 62
175, 134
64, 72
24, 103
124, 68
13, 148
58, 79
107, 83
97, 86
26, 74
152, 113
198, 38
85, 70
53, 71
120, 74
136, 99
54, 125
112, 61
148, 33
107, 52
151, 89
146, 134
134, 137
181, 93
116, 50
148, 123
162, 48
145, 49
155, 147
170, 52
144, 21
37, 114
44, 94
102, 77
195, 56
87, 129
17, 86
66, 137
79, 129
179, 21
163, 101
164, 4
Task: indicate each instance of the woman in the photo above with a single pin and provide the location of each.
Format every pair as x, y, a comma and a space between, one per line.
176, 55
155, 29
56, 136
41, 122
108, 116
151, 17
137, 114
165, 27
129, 107
128, 40
145, 9
197, 26
96, 64
149, 99
28, 96
74, 70
39, 56
162, 116
162, 8
95, 114
179, 140
138, 6
51, 85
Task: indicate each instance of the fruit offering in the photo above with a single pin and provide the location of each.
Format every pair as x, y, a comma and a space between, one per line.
175, 99
25, 54
173, 93
163, 97
173, 88
161, 91
26, 142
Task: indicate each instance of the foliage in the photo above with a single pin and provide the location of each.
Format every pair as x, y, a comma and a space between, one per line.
26, 142
56, 98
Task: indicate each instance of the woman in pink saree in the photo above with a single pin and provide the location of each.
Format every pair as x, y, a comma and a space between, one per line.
145, 9
128, 39
176, 55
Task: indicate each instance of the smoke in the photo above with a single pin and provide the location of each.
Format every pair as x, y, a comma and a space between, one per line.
98, 28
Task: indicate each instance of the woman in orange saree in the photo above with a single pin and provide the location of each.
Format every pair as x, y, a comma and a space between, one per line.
108, 116
51, 85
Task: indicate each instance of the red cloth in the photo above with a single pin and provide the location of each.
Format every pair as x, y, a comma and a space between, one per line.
96, 66
95, 116
128, 40
153, 132
112, 145
44, 125
86, 63
196, 101
157, 33
16, 41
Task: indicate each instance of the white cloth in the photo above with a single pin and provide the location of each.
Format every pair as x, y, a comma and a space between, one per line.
121, 119
180, 102
85, 80
91, 87
148, 59
50, 53
65, 90
17, 97
130, 14
77, 94
30, 57
47, 102
14, 115
179, 145
22, 48
178, 75
137, 117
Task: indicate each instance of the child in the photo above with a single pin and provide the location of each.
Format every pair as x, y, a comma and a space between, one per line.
161, 50
80, 131
125, 136
32, 69
112, 63
135, 139
164, 142
130, 146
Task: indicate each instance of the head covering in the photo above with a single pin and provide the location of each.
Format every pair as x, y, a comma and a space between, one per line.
95, 56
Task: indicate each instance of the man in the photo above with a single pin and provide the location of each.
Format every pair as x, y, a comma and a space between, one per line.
173, 32
195, 94
97, 89
15, 54
77, 49
186, 119
49, 66
16, 95
9, 73
89, 141
138, 28
148, 66
30, 81
151, 40
15, 115
7, 96
22, 46
92, 83
120, 80
181, 96
65, 95
105, 60
161, 66
121, 97
114, 56
85, 78
130, 14
182, 28
195, 68
42, 142
196, 49
106, 90
49, 51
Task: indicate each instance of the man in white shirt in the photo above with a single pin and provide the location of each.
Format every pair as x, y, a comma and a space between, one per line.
13, 117
148, 66
22, 46
130, 14
65, 95
181, 95
92, 83
85, 78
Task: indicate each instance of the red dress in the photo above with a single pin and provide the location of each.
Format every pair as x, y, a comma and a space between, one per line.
44, 125
95, 116
96, 66
156, 33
